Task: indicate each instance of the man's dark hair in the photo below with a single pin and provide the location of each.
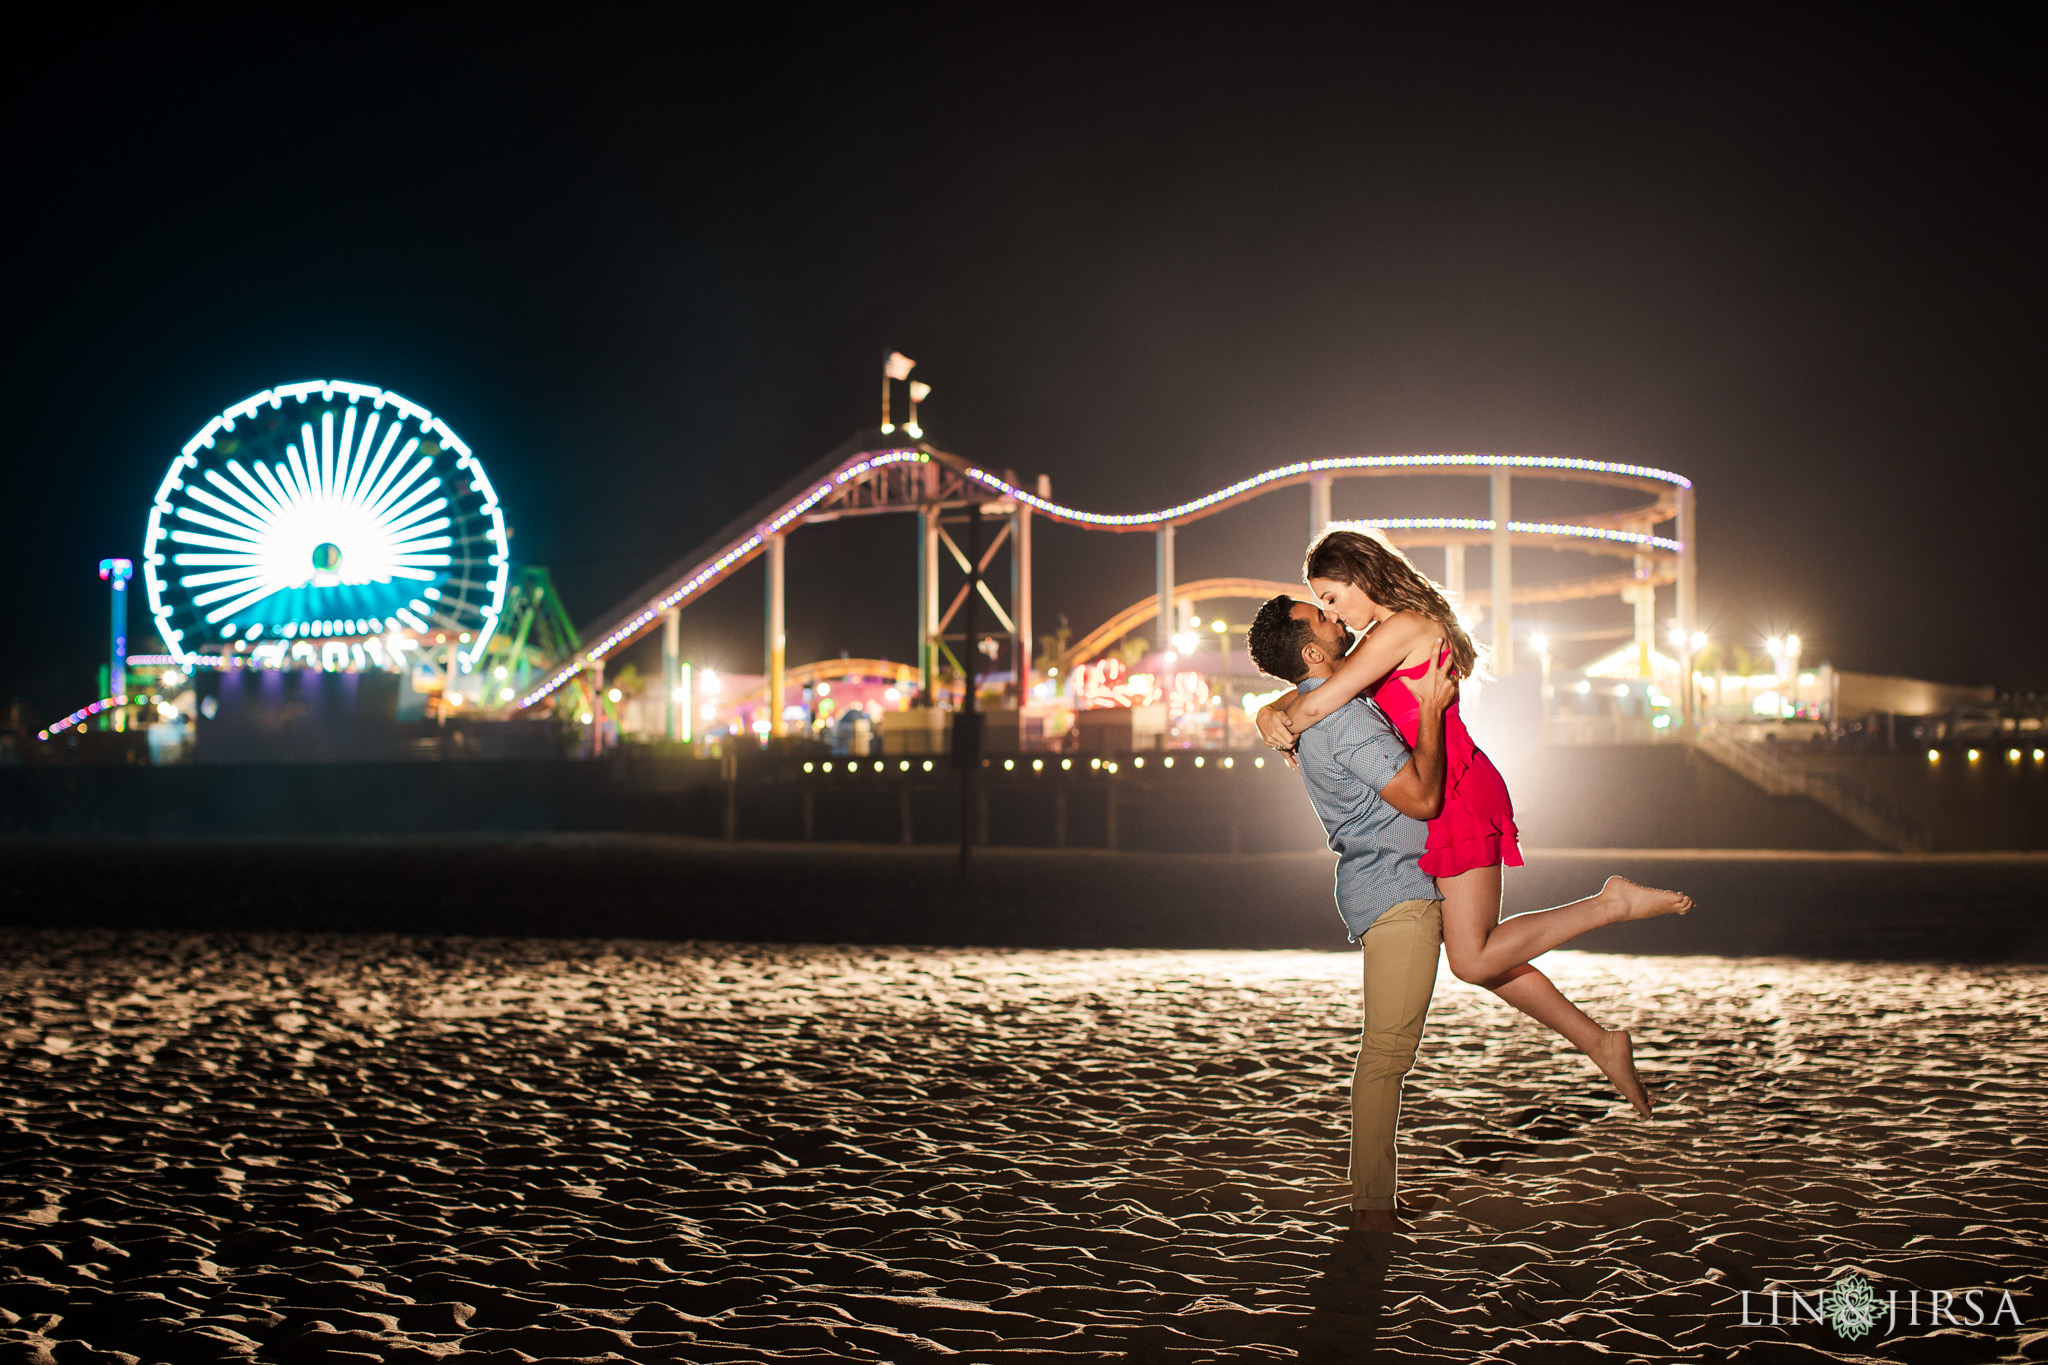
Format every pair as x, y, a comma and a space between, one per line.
1277, 638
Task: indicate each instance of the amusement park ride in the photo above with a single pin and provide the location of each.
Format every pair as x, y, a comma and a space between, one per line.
334, 527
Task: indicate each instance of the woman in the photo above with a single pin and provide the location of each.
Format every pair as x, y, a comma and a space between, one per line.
1375, 589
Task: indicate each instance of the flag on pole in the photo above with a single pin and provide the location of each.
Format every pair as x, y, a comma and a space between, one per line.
898, 365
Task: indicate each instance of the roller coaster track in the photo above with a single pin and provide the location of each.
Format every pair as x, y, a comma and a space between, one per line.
859, 478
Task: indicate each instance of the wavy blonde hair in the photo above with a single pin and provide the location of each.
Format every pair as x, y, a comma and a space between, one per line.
1361, 556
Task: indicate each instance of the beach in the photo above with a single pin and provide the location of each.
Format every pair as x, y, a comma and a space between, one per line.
303, 1147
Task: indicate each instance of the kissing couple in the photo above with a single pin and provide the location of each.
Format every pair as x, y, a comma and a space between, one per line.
1422, 826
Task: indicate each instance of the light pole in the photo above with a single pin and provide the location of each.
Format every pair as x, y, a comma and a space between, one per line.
1223, 648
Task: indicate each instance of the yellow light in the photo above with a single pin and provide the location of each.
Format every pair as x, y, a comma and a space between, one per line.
504, 694
1009, 765
1198, 761
1067, 763
2012, 755
1052, 672
584, 718
1038, 765
1973, 755
1169, 762
1540, 643
828, 767
1218, 627
1230, 763
824, 689
1111, 767
927, 765
904, 766
1934, 755
807, 767
615, 695
1095, 763
1139, 763
1258, 763
2038, 755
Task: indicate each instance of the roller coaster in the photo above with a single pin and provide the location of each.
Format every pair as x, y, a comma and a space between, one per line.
872, 475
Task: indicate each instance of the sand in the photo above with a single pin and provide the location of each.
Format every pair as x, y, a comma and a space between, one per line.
304, 1148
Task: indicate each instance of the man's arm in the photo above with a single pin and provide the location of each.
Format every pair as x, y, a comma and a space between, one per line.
1417, 791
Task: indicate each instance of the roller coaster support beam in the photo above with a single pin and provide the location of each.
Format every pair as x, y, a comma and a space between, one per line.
1644, 599
1688, 564
1168, 623
776, 639
1020, 593
1318, 505
596, 708
928, 603
1454, 571
1502, 605
671, 671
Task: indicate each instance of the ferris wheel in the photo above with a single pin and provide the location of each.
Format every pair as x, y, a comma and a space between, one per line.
326, 524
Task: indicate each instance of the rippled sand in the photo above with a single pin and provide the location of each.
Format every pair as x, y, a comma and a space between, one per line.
303, 1148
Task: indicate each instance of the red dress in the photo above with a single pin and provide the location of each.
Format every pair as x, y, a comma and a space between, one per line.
1477, 825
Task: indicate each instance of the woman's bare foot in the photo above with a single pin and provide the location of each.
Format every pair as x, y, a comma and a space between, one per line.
1615, 1056
1643, 902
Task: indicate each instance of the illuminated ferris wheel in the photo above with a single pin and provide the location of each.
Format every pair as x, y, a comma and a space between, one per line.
326, 524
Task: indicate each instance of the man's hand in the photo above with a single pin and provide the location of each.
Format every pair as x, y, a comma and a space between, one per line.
1417, 791
1438, 687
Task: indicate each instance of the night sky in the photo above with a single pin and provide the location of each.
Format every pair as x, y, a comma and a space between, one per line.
649, 268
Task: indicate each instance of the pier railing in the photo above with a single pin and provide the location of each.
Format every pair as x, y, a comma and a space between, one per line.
1869, 811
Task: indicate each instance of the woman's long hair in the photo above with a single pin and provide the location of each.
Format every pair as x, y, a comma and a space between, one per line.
1359, 555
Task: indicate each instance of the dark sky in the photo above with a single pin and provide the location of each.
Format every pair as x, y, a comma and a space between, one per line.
648, 268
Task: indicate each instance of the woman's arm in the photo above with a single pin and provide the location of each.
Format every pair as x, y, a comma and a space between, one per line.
1379, 654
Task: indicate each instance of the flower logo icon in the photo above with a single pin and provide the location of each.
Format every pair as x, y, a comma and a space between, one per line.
1851, 1307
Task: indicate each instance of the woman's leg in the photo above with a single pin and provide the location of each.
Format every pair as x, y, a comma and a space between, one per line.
1473, 930
1503, 943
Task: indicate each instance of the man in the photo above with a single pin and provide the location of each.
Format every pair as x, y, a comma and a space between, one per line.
1373, 797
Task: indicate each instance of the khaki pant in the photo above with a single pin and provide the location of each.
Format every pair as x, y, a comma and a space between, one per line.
1400, 952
